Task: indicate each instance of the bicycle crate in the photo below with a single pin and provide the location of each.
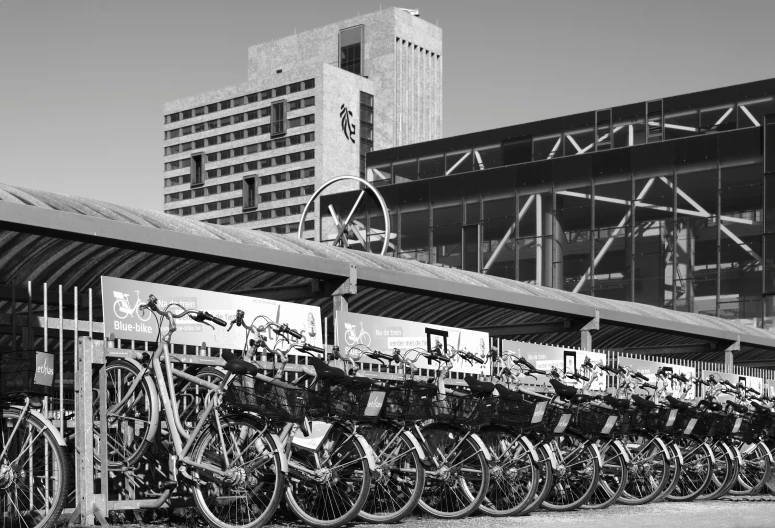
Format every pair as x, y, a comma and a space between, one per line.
655, 419
687, 422
707, 424
26, 372
555, 421
351, 401
759, 424
623, 423
594, 420
521, 414
284, 403
466, 409
410, 402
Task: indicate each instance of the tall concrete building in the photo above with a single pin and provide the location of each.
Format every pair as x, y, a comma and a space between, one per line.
314, 104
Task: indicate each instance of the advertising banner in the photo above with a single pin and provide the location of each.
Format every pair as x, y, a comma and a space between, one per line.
121, 299
385, 334
748, 381
769, 387
649, 369
566, 360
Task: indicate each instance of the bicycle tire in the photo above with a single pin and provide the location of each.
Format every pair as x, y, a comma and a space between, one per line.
754, 472
724, 473
696, 471
258, 446
613, 479
648, 456
676, 470
770, 483
442, 483
577, 463
136, 425
392, 482
58, 465
340, 443
544, 487
513, 473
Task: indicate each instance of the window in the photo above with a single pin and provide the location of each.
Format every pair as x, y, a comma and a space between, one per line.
211, 108
309, 84
279, 195
266, 180
266, 94
225, 105
187, 114
309, 119
265, 215
308, 173
279, 91
309, 189
309, 224
252, 98
239, 101
265, 197
278, 118
295, 192
350, 47
295, 87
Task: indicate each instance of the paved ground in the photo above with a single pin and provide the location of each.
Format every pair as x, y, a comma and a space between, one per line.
738, 513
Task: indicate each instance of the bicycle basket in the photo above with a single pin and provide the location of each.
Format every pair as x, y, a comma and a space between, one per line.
346, 401
757, 428
655, 419
409, 403
687, 422
623, 423
463, 409
556, 420
273, 402
26, 372
594, 420
524, 414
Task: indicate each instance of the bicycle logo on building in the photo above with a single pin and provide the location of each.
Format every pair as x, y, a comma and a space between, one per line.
347, 127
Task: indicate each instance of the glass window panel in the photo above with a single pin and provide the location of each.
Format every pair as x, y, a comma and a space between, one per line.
459, 162
718, 119
488, 157
404, 171
431, 166
579, 142
415, 228
547, 147
751, 113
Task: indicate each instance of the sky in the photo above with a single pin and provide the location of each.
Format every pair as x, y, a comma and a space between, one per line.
82, 82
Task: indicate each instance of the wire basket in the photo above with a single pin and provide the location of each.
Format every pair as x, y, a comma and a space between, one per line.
555, 421
623, 423
463, 409
349, 401
759, 425
26, 372
655, 419
595, 420
273, 402
410, 402
523, 414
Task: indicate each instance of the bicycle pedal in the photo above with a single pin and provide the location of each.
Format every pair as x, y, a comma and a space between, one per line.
169, 484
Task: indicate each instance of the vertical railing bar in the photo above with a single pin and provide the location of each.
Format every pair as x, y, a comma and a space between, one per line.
91, 317
30, 339
61, 365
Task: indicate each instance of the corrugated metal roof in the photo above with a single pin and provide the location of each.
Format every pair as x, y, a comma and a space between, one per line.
69, 262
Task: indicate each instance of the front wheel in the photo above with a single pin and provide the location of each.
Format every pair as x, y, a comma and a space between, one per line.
251, 491
457, 482
397, 484
649, 469
576, 475
613, 478
513, 473
724, 472
329, 486
696, 470
755, 470
33, 472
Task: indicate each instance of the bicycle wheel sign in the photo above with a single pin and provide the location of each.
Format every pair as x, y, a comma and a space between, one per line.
125, 319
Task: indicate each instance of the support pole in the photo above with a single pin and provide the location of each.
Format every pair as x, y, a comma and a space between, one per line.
587, 329
729, 353
340, 298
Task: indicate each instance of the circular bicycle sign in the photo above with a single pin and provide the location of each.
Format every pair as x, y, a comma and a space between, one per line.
348, 228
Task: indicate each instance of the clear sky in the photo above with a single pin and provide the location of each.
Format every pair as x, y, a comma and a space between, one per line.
82, 82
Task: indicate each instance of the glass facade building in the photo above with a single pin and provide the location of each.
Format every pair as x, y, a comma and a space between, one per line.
669, 202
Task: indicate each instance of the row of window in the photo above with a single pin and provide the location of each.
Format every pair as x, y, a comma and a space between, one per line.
367, 129
309, 225
239, 101
236, 186
248, 166
236, 119
266, 214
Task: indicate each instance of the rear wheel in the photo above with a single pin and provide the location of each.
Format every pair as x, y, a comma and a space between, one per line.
576, 476
770, 482
754, 472
513, 473
724, 472
676, 469
397, 484
649, 469
613, 478
545, 480
458, 481
696, 471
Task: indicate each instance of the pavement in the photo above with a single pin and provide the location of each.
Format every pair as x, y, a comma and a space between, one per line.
743, 512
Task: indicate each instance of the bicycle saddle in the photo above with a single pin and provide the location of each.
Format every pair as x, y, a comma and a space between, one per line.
711, 406
508, 394
760, 408
238, 366
677, 404
418, 386
640, 401
326, 371
582, 398
616, 403
566, 392
479, 387
739, 407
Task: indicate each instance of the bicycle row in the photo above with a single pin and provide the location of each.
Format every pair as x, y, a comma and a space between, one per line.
336, 444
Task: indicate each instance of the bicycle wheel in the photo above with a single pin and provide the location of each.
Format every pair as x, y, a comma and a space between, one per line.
576, 476
191, 397
456, 484
770, 482
131, 429
613, 478
545, 481
754, 471
649, 470
252, 491
329, 486
34, 474
676, 469
696, 471
513, 473
396, 486
724, 473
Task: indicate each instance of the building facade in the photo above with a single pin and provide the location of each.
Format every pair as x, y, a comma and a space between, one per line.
314, 104
667, 202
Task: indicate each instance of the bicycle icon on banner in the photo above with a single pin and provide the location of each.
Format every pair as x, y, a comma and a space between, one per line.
122, 308
352, 337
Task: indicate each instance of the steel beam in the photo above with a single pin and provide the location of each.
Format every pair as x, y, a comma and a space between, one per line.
671, 349
553, 327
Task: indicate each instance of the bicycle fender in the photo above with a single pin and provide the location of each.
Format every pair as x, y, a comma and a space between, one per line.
552, 457
664, 448
412, 440
598, 453
623, 450
57, 435
480, 443
738, 454
277, 446
728, 451
767, 450
709, 450
679, 455
369, 451
530, 447
155, 403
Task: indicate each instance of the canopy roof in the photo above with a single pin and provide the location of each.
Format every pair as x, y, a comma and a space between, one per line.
58, 239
